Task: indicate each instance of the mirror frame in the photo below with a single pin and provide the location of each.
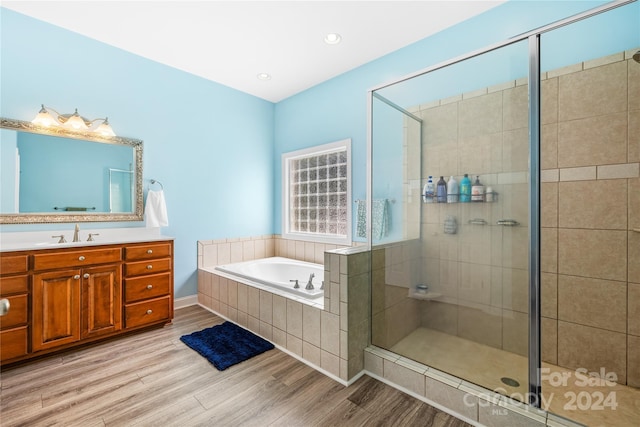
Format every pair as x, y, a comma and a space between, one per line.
45, 217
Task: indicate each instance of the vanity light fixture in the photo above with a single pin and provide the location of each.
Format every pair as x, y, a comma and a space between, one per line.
72, 121
332, 38
263, 76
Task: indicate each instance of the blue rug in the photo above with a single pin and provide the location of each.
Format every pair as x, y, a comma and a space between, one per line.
227, 344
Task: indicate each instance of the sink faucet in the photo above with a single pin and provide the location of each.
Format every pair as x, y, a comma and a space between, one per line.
309, 286
75, 234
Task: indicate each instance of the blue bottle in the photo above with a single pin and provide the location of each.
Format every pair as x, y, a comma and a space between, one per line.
441, 191
465, 189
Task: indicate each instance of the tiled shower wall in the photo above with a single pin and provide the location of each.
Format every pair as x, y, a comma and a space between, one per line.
481, 270
393, 272
590, 208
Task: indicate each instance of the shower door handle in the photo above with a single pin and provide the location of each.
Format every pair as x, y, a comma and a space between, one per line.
508, 222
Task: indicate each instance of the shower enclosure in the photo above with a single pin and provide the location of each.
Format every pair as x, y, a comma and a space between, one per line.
538, 279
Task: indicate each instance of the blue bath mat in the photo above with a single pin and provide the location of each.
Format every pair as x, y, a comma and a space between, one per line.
226, 344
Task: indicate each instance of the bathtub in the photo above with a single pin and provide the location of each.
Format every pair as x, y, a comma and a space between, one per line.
277, 273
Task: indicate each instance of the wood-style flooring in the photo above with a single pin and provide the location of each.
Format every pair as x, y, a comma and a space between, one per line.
153, 379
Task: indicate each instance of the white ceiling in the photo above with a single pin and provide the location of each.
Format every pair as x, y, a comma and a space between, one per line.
230, 42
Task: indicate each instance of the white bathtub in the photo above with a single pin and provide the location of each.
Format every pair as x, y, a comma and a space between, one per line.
277, 272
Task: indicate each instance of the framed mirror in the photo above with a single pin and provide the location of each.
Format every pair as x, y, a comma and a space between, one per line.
52, 174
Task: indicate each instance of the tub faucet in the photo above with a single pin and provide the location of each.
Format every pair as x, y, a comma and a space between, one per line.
297, 285
75, 234
309, 286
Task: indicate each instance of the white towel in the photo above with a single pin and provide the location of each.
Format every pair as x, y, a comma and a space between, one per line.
155, 211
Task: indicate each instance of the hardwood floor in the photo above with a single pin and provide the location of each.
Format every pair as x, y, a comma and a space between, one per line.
154, 379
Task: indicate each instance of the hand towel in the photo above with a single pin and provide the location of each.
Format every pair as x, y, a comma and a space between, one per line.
155, 210
361, 218
379, 219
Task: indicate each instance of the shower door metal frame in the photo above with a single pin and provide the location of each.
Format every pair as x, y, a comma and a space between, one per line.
533, 38
535, 352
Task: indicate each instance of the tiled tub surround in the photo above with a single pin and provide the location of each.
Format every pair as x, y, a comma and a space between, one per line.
590, 207
331, 338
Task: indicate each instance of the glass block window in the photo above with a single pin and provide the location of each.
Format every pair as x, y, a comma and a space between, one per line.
317, 193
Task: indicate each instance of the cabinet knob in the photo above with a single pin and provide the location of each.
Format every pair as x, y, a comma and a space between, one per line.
149, 286
86, 275
4, 306
149, 311
81, 258
149, 267
149, 251
77, 276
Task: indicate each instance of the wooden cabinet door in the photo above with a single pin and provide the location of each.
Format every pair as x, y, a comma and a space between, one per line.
56, 308
101, 300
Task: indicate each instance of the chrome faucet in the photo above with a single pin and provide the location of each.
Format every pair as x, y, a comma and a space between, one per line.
75, 234
309, 286
61, 237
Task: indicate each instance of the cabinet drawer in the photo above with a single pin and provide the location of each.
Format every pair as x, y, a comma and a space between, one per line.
14, 264
147, 312
14, 285
147, 287
147, 267
14, 343
76, 258
17, 314
149, 251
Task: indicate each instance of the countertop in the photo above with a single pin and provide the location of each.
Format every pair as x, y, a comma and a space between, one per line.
38, 240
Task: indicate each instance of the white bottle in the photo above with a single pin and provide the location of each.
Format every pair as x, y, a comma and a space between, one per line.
452, 190
428, 191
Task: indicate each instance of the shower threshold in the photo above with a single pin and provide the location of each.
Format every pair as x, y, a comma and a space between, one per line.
487, 366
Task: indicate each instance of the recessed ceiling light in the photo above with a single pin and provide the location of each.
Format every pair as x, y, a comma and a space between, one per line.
332, 38
264, 76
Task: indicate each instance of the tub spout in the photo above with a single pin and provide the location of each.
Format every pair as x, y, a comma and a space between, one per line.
309, 286
297, 285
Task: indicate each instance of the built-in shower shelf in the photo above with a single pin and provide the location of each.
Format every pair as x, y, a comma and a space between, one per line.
413, 293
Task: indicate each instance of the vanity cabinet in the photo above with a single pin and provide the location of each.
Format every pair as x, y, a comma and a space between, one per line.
66, 297
74, 304
148, 283
14, 286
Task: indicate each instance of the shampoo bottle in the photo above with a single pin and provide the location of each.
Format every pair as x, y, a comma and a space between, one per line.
428, 191
441, 190
452, 190
477, 191
465, 189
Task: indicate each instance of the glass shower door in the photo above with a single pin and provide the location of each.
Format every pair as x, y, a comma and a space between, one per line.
450, 284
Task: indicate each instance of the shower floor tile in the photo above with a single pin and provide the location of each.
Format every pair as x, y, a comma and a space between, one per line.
564, 392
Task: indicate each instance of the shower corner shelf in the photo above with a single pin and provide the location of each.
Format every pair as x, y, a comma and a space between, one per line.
429, 295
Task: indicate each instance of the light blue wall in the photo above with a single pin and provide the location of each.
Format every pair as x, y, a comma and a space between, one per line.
211, 146
387, 158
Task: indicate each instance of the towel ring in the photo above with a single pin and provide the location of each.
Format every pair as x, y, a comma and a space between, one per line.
153, 181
